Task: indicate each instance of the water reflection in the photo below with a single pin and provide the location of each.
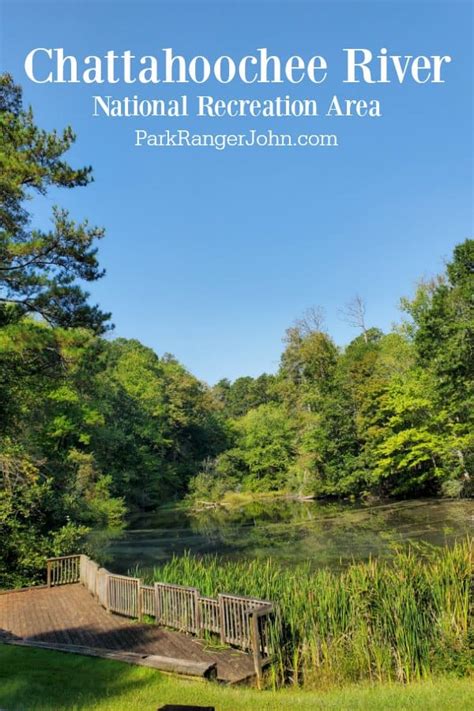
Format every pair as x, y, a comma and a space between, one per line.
325, 534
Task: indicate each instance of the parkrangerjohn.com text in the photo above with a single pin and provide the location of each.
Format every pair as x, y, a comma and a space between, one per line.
183, 138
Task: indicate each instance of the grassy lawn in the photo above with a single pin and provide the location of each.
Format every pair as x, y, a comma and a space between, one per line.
39, 680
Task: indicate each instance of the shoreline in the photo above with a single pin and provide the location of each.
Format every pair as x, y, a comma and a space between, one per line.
235, 500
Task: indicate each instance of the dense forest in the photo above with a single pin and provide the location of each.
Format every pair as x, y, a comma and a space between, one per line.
92, 428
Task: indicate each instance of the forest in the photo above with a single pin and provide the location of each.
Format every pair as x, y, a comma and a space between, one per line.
94, 428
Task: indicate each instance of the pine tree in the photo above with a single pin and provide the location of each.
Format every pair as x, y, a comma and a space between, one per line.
40, 270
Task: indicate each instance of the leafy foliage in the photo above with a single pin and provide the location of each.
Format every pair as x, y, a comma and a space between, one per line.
88, 427
389, 415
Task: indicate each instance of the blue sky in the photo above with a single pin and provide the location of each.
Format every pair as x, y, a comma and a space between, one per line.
211, 255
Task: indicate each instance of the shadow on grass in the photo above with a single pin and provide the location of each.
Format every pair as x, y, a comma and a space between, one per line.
47, 681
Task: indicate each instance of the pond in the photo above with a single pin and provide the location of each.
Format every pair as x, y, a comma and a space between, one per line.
326, 534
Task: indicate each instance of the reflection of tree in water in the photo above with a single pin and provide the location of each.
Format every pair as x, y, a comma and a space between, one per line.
325, 534
259, 513
99, 542
328, 533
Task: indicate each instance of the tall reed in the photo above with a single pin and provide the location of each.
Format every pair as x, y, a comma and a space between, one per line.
402, 619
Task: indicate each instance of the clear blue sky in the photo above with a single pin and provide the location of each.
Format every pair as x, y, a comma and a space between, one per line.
211, 255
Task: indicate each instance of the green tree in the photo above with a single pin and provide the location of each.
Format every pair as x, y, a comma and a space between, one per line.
443, 335
160, 424
244, 394
265, 446
40, 270
32, 526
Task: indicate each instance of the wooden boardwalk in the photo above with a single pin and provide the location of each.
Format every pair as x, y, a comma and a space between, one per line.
70, 618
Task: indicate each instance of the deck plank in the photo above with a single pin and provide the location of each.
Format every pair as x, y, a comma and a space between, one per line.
69, 615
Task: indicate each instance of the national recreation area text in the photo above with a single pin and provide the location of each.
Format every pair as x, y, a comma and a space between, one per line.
216, 107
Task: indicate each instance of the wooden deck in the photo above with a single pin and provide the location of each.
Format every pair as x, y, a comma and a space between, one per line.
70, 619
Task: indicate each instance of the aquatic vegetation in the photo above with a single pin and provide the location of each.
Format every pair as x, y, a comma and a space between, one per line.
398, 620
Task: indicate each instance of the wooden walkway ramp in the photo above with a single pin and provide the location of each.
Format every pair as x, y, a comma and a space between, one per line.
69, 618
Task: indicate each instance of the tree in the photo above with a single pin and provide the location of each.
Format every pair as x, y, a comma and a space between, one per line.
31, 524
244, 394
159, 424
354, 314
443, 335
39, 270
310, 354
312, 321
51, 487
408, 444
265, 447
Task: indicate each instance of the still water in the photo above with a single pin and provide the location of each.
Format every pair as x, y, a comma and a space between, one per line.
289, 531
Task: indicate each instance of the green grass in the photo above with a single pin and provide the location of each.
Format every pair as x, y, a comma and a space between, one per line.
403, 620
39, 680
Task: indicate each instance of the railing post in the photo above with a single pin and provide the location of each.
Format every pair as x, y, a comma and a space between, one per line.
222, 618
48, 573
107, 594
197, 614
139, 601
82, 568
157, 605
257, 658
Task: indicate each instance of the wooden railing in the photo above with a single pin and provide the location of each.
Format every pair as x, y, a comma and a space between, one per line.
240, 621
236, 613
177, 606
209, 614
63, 570
123, 595
147, 600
